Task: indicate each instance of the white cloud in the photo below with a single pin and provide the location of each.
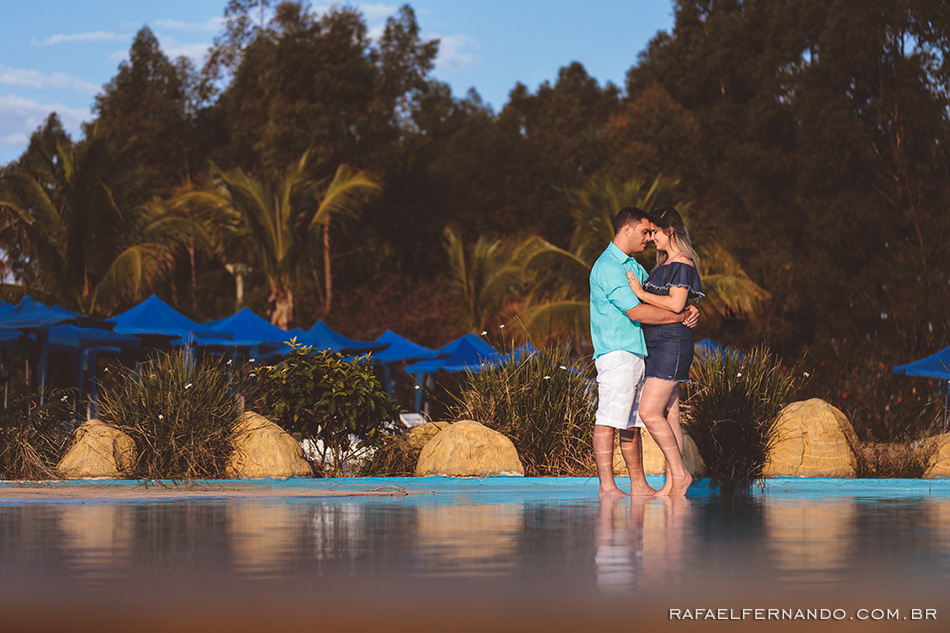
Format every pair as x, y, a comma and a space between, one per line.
454, 55
20, 117
211, 24
194, 51
377, 11
40, 81
372, 12
93, 36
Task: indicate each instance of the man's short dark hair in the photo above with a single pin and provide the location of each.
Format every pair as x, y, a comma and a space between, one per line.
628, 215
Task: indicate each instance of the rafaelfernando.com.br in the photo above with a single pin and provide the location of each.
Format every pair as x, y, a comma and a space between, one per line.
801, 614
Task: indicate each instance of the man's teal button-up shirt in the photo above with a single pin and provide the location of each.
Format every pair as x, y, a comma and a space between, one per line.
610, 298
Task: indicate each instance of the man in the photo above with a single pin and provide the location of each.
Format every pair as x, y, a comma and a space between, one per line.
619, 349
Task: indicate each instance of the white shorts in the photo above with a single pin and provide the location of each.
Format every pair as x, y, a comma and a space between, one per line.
620, 378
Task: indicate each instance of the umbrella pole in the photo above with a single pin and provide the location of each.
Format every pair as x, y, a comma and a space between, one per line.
946, 402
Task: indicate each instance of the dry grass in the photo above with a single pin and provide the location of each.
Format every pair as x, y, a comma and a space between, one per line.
879, 460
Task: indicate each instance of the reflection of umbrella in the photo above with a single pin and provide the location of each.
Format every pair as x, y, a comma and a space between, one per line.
934, 366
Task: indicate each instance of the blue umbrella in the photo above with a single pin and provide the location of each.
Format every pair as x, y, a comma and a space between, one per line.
155, 318
322, 337
934, 366
401, 349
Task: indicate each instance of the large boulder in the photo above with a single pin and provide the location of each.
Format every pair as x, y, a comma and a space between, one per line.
98, 450
813, 439
940, 462
654, 463
420, 435
469, 449
264, 450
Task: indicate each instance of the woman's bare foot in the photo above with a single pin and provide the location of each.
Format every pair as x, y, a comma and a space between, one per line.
641, 488
681, 484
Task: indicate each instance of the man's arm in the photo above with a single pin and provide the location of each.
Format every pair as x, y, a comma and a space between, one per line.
651, 315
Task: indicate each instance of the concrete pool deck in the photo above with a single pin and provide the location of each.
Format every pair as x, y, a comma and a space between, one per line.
486, 489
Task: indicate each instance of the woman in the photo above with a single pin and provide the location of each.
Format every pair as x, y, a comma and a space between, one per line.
672, 283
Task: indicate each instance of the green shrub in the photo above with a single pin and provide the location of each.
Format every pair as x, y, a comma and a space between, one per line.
33, 436
179, 411
542, 403
338, 405
731, 413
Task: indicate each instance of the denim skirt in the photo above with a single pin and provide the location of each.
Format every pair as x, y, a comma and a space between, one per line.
670, 351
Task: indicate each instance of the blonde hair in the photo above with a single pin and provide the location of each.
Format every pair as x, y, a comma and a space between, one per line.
670, 221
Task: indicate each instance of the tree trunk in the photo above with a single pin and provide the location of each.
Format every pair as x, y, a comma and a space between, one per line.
283, 299
327, 278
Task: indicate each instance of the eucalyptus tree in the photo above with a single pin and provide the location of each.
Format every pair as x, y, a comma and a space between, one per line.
88, 233
274, 226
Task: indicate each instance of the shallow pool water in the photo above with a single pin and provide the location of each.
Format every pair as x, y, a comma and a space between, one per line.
877, 543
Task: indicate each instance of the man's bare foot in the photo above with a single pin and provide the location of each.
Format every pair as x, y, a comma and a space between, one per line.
608, 492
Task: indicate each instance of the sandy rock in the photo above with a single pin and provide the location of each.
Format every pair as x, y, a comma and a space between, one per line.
940, 462
653, 461
814, 440
99, 450
420, 435
262, 450
469, 449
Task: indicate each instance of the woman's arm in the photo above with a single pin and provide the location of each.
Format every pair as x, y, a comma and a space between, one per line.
674, 303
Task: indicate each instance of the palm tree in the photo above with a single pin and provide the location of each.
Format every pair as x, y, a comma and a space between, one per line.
82, 236
278, 221
557, 301
483, 276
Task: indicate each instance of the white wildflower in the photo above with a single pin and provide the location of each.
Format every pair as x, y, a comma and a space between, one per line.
563, 366
501, 327
161, 417
806, 374
484, 332
188, 386
253, 360
739, 375
252, 374
228, 363
547, 378
64, 398
418, 387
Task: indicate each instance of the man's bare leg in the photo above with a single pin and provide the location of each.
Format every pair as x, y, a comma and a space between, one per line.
604, 457
632, 451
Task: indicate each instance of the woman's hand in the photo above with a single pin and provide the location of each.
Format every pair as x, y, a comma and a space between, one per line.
635, 285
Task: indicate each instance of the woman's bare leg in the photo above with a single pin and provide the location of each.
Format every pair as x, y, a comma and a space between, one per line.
673, 417
657, 394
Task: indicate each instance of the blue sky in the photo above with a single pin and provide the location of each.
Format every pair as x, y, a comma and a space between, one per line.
59, 57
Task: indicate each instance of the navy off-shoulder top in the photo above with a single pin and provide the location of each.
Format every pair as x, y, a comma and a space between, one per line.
674, 274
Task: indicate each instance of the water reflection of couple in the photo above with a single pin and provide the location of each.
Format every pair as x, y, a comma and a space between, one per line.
643, 345
640, 545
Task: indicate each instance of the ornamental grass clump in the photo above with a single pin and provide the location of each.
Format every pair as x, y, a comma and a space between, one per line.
33, 436
336, 405
180, 412
543, 404
731, 413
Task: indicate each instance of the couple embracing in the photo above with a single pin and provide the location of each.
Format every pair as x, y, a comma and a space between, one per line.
643, 345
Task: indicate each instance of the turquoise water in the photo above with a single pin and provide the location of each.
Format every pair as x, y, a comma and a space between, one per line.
497, 536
